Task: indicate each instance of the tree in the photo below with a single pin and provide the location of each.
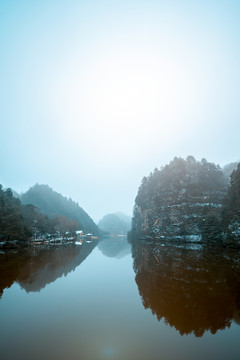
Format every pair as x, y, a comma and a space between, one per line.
235, 189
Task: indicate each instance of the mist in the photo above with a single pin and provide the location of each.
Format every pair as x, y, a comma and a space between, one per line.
95, 95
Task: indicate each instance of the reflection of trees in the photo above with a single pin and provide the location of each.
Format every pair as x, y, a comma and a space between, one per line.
49, 264
10, 267
193, 290
35, 268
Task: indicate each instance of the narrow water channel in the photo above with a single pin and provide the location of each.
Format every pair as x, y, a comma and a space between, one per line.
108, 301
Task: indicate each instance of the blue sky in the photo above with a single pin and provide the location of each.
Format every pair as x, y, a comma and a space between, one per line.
95, 94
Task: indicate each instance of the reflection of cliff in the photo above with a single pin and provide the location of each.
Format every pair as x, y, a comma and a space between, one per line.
115, 246
193, 290
35, 269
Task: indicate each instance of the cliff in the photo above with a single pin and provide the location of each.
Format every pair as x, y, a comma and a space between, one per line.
184, 199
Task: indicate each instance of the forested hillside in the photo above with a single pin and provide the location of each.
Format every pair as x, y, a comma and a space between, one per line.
18, 222
54, 204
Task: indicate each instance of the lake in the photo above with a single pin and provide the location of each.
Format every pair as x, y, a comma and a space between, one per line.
108, 300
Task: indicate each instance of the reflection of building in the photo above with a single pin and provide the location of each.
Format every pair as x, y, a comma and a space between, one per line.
193, 290
79, 233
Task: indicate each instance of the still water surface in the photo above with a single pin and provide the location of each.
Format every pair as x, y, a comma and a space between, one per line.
108, 301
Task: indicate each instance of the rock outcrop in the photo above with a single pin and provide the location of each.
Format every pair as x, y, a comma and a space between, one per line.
182, 200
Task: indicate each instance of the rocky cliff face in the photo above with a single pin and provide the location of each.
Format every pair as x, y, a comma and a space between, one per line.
184, 199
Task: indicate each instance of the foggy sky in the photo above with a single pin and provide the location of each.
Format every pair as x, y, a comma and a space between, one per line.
95, 94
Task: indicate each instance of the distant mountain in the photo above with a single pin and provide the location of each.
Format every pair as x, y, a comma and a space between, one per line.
117, 223
123, 217
54, 204
16, 194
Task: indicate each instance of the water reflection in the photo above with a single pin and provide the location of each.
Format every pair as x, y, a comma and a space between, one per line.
194, 290
35, 267
115, 246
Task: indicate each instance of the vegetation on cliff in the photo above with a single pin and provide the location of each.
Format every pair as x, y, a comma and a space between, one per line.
186, 199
